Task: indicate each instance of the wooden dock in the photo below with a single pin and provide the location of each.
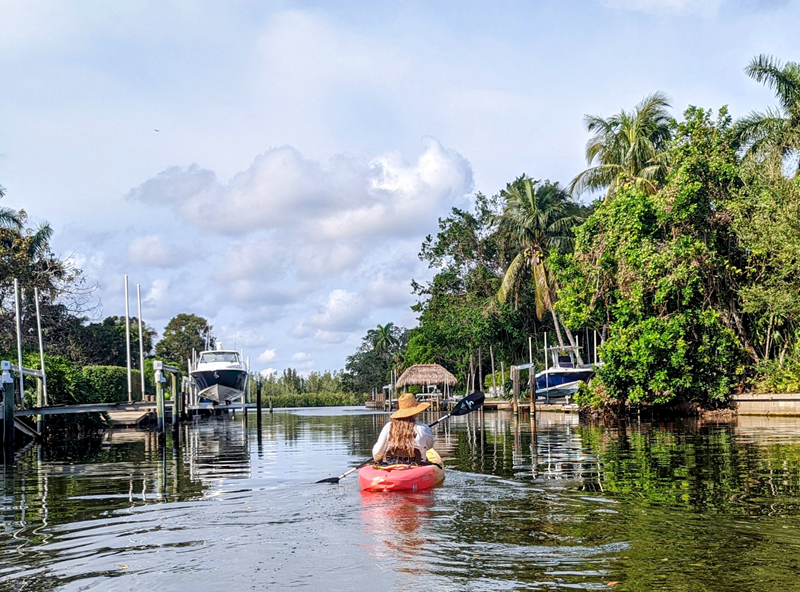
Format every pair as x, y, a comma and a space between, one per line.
503, 404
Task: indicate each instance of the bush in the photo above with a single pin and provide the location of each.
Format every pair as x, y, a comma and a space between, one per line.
109, 384
689, 356
65, 382
778, 378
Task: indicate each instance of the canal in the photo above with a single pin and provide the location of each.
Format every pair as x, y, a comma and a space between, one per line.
559, 505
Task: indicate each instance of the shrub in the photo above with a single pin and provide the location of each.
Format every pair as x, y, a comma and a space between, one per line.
106, 384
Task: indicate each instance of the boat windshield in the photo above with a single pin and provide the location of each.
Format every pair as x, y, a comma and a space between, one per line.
219, 356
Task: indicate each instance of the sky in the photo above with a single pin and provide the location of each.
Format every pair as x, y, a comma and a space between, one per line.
275, 166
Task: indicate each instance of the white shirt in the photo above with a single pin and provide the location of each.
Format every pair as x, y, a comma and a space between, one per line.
423, 440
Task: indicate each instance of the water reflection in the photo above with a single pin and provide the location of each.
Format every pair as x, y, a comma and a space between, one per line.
545, 505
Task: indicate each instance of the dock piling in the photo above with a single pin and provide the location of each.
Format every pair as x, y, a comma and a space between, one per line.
8, 406
158, 379
258, 406
176, 412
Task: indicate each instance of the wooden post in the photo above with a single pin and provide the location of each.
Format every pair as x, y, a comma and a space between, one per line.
503, 379
258, 405
8, 408
176, 412
480, 369
515, 388
471, 373
159, 401
532, 377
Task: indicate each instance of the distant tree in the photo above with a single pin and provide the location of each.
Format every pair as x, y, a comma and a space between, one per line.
182, 334
103, 344
627, 148
777, 128
383, 339
381, 350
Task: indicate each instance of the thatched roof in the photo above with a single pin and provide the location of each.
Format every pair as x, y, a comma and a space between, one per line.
424, 374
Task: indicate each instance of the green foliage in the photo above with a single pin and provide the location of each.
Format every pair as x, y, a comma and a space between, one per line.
322, 399
318, 389
65, 382
104, 344
109, 384
659, 269
381, 350
686, 356
627, 148
182, 334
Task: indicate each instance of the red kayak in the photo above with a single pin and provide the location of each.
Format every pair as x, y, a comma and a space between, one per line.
403, 477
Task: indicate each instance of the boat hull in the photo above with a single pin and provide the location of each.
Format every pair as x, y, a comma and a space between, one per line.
220, 386
401, 477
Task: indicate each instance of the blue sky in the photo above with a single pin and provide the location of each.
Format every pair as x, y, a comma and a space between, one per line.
306, 148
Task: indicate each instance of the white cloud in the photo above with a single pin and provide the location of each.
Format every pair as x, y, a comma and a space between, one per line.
300, 357
342, 311
267, 356
152, 251
344, 198
267, 372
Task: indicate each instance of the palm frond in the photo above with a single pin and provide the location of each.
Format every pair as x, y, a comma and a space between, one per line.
10, 218
783, 80
511, 277
40, 239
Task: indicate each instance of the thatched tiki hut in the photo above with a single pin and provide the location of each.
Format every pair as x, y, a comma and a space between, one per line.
426, 374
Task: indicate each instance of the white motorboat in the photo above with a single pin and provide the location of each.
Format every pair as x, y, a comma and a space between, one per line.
220, 375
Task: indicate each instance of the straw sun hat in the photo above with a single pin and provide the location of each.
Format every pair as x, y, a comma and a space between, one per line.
407, 406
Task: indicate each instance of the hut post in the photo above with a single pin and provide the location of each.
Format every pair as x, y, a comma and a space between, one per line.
503, 379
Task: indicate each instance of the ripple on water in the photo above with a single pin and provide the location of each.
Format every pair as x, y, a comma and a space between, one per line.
678, 507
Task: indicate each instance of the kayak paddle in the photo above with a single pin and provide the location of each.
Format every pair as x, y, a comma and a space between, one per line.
466, 405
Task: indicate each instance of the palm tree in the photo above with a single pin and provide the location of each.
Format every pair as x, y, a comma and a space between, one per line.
383, 338
9, 217
538, 218
627, 148
776, 127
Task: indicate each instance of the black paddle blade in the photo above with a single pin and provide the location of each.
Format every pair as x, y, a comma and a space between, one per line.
469, 403
333, 480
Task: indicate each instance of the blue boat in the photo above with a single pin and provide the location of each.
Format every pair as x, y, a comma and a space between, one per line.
564, 377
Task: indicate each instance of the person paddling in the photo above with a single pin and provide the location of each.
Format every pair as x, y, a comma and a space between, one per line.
404, 440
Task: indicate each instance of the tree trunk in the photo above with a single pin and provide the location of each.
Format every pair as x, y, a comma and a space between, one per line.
573, 342
558, 329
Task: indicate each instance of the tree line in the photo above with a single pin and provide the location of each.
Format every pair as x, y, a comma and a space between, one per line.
685, 262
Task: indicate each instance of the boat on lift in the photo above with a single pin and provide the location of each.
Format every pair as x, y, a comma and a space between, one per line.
564, 377
220, 375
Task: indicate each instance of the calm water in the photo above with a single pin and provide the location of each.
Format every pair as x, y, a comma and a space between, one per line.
686, 506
